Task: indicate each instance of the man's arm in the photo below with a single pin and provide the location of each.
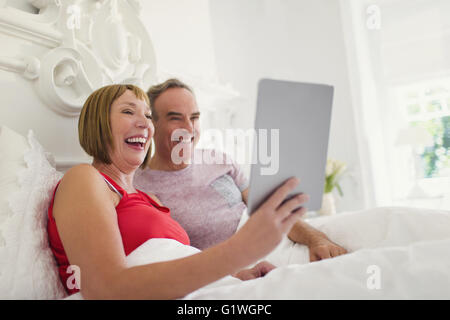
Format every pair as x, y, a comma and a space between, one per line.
245, 196
320, 247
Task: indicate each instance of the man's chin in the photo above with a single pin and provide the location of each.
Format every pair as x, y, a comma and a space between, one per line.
185, 159
182, 153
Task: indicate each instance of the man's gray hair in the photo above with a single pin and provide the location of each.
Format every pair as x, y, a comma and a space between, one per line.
155, 91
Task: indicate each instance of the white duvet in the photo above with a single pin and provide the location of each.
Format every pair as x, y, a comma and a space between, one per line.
394, 253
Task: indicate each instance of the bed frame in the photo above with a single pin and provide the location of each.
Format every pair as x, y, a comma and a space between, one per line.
55, 53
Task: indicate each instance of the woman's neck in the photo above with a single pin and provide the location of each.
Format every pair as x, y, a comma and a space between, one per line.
123, 179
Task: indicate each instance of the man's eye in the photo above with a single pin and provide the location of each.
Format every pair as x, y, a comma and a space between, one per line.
149, 116
175, 118
127, 112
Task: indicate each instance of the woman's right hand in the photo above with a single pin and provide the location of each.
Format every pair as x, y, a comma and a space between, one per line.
270, 222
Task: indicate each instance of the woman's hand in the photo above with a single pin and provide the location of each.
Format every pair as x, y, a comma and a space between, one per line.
269, 223
258, 271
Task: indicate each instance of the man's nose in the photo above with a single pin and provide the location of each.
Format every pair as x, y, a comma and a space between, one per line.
189, 126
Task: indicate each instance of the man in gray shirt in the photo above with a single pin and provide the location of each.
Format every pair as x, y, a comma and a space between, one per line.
207, 199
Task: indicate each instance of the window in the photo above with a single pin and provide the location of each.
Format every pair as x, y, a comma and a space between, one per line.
427, 107
422, 148
401, 75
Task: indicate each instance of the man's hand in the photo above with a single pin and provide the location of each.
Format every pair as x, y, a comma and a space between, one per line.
322, 248
258, 271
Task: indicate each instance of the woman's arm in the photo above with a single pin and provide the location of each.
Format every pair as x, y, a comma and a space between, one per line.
85, 215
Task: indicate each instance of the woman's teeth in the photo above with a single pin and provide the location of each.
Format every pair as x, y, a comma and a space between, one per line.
137, 140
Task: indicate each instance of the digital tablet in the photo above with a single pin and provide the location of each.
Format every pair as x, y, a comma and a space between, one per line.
292, 126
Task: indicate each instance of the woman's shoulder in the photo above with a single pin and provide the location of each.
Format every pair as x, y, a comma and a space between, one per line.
81, 177
84, 184
81, 172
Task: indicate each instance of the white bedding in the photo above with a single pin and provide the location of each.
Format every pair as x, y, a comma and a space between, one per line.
395, 253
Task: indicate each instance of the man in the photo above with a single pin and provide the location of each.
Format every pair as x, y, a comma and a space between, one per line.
206, 199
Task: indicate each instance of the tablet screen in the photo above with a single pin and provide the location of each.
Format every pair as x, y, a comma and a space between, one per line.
292, 127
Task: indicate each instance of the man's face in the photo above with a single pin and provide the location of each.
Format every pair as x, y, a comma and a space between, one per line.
177, 115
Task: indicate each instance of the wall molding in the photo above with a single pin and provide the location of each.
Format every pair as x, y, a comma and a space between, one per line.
62, 165
83, 45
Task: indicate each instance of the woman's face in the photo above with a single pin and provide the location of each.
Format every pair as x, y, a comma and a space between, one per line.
132, 130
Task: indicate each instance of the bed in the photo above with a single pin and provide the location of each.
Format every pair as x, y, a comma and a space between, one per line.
394, 252
54, 58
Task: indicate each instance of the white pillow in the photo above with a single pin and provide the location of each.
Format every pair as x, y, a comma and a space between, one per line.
27, 266
12, 149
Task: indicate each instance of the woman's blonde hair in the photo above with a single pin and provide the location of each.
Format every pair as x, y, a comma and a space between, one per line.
94, 130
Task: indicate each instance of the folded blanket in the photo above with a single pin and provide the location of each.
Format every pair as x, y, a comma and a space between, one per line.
369, 229
158, 250
394, 253
418, 271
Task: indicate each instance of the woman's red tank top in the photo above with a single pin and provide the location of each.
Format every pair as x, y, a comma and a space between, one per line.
140, 218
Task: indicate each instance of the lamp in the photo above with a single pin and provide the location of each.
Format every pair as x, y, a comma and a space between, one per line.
415, 137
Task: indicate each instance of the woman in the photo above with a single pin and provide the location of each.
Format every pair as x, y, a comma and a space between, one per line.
97, 217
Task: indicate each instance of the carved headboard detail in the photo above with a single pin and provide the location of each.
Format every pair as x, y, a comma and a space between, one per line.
54, 53
83, 45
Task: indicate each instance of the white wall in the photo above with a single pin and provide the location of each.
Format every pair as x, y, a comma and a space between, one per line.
239, 42
294, 40
181, 34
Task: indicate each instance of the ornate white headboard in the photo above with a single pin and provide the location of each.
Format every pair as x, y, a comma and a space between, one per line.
54, 53
53, 57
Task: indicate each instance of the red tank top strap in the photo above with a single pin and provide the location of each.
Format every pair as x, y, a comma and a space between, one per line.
114, 184
141, 193
50, 208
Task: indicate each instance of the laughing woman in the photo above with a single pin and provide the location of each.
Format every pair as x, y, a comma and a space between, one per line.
97, 217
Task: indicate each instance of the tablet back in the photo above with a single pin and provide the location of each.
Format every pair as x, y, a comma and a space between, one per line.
299, 114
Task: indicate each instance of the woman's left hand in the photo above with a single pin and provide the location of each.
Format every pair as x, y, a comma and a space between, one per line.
258, 271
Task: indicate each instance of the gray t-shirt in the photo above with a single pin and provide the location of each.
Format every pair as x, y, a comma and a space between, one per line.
205, 199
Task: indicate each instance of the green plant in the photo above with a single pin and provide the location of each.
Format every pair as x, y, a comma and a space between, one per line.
437, 155
333, 173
